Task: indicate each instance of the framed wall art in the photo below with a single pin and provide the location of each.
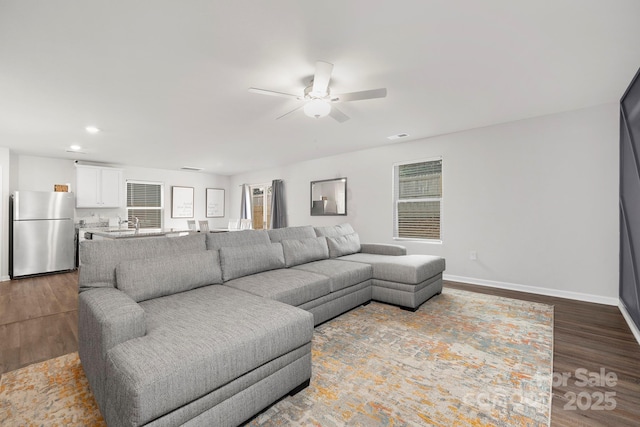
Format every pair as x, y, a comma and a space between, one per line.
181, 202
215, 202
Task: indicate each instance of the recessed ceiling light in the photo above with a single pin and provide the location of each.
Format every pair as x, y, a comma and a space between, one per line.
92, 129
75, 147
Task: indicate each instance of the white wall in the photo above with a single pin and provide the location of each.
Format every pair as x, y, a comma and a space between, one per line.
5, 162
41, 173
199, 181
537, 199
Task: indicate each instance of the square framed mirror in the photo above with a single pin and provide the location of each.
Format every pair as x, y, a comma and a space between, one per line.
329, 197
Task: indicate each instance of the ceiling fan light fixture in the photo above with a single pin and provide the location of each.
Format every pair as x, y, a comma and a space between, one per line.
318, 96
317, 108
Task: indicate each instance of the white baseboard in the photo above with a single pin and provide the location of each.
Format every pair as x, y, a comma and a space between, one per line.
632, 325
4, 278
535, 290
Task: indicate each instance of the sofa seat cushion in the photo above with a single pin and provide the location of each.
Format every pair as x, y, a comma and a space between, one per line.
290, 286
409, 269
342, 273
196, 342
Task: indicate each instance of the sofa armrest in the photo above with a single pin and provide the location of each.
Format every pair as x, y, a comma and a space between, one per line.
382, 249
106, 318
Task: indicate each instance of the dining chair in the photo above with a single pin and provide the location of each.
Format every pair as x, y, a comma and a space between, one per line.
191, 224
245, 224
234, 224
204, 226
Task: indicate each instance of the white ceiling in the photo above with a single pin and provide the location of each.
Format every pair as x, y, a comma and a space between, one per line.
167, 81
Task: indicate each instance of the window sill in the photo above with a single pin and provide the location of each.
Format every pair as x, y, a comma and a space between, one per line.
427, 241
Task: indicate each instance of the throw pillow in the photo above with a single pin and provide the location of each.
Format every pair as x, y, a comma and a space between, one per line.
243, 261
301, 251
343, 245
156, 277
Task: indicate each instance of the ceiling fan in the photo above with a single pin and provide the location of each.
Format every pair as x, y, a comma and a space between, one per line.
319, 98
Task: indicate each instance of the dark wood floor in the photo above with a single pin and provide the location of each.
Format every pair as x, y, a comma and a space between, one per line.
39, 318
591, 337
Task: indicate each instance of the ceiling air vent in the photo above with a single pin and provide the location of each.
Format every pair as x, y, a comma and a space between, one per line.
398, 136
190, 168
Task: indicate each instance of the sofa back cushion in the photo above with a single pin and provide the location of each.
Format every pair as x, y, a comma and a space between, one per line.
343, 245
158, 277
99, 258
237, 239
243, 261
334, 230
301, 251
279, 234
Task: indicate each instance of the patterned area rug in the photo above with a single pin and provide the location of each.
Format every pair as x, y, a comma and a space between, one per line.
461, 359
54, 393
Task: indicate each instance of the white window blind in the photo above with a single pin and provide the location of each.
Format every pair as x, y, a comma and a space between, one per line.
145, 201
418, 200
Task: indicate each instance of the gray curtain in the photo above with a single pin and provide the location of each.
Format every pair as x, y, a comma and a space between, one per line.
278, 209
245, 202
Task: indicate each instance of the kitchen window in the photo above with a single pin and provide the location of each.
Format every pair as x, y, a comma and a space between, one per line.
417, 200
145, 201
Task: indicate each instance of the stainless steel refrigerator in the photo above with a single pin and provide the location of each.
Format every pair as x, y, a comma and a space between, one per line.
42, 236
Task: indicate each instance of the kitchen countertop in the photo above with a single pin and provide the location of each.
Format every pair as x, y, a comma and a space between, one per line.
125, 233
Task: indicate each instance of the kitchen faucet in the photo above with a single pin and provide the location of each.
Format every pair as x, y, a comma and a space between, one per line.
122, 221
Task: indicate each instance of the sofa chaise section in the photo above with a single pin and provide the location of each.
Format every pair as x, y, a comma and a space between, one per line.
164, 343
397, 278
197, 348
106, 315
404, 280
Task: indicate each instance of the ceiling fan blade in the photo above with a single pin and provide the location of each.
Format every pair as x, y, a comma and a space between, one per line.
321, 79
357, 96
338, 115
272, 93
292, 111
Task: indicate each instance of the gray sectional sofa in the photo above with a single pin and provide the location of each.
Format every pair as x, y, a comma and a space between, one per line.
210, 329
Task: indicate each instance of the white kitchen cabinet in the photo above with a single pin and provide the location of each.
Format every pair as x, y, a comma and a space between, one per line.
98, 187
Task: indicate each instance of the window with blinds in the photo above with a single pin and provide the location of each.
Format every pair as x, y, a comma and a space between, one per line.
417, 200
145, 201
